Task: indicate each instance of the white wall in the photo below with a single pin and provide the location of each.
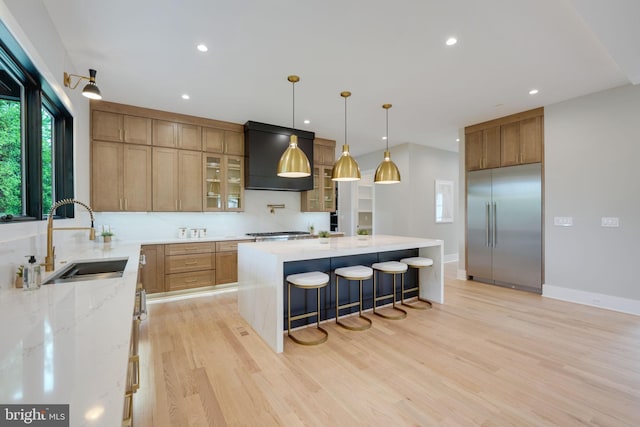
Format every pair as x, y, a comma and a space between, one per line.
407, 208
592, 149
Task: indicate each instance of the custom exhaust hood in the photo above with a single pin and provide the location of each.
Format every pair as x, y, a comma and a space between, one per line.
263, 146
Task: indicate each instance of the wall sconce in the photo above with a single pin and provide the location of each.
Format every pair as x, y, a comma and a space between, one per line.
91, 91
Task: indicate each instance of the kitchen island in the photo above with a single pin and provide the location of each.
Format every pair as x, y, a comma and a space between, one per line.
263, 266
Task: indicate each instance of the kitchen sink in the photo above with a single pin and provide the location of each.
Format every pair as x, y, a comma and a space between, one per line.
90, 270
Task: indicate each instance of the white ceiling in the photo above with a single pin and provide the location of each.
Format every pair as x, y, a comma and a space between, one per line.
382, 51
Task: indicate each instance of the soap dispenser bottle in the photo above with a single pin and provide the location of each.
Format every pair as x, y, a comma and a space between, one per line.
32, 275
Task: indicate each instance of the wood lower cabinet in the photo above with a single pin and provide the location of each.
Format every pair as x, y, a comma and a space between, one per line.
120, 177
152, 269
181, 266
189, 265
226, 262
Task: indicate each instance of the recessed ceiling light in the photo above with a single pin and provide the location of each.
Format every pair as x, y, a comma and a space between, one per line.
307, 121
533, 91
384, 138
185, 96
457, 139
202, 47
451, 41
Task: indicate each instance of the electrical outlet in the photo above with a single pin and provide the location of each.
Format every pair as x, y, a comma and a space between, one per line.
563, 221
609, 221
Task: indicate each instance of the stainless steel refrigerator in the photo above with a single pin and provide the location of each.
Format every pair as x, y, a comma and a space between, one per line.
504, 226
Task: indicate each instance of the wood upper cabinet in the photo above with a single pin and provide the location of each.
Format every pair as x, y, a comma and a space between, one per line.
177, 180
531, 140
152, 269
323, 196
223, 182
222, 141
483, 149
108, 126
507, 141
120, 177
189, 137
165, 133
324, 152
522, 142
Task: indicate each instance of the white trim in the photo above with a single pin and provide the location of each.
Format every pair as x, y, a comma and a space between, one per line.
609, 302
461, 275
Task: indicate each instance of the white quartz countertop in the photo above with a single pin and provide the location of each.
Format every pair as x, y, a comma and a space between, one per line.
69, 343
296, 250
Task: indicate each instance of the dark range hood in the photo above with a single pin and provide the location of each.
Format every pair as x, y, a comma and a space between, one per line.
263, 146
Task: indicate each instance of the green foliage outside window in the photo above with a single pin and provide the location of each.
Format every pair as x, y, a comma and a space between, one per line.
10, 158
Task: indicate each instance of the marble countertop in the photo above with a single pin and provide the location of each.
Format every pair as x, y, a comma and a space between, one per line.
69, 343
296, 250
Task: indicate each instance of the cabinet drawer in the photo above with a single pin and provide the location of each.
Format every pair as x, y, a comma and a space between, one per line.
197, 279
184, 263
189, 248
229, 246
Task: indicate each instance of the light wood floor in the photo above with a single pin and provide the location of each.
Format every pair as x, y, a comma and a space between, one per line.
489, 356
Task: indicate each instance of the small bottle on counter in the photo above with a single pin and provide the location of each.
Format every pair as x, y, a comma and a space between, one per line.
32, 275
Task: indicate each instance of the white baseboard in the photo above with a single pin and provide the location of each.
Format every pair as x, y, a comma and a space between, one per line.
608, 302
461, 275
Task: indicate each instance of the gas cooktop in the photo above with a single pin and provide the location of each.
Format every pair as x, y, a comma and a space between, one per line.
280, 235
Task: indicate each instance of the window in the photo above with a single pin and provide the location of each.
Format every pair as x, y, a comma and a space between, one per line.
36, 140
11, 141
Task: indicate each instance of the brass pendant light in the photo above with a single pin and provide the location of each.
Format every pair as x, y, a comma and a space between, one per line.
387, 172
346, 168
293, 162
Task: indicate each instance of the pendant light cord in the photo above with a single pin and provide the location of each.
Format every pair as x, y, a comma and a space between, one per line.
345, 120
387, 110
293, 87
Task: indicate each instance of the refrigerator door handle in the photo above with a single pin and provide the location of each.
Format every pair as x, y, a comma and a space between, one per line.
494, 231
487, 226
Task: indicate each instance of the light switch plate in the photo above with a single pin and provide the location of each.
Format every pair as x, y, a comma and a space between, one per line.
563, 221
610, 221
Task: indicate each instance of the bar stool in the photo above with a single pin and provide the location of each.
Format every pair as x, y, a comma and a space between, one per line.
359, 273
311, 280
417, 263
394, 268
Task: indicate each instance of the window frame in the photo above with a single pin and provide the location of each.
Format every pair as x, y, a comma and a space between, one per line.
38, 93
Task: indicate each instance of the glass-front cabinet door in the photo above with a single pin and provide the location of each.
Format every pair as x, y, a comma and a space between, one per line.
234, 183
328, 191
213, 167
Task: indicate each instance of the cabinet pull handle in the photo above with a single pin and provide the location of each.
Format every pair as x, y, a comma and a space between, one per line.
191, 263
120, 134
179, 204
191, 280
176, 203
126, 204
135, 365
120, 203
487, 225
494, 230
